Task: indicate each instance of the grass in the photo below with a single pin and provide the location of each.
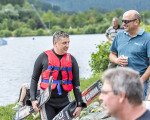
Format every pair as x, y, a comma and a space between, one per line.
6, 112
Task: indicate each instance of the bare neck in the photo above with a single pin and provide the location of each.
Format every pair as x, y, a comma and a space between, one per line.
58, 52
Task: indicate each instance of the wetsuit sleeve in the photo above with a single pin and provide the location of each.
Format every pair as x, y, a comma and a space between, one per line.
76, 82
37, 70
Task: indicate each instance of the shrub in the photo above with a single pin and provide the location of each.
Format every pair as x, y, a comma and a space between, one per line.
90, 30
70, 32
7, 33
100, 59
40, 32
55, 28
27, 32
102, 28
18, 32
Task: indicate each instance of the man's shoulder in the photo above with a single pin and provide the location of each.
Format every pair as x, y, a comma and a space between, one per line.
72, 57
111, 27
146, 33
43, 55
120, 33
146, 36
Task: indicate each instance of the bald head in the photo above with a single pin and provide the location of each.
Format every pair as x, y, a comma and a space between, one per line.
133, 14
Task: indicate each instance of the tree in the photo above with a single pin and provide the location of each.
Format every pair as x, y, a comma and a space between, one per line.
72, 21
145, 16
10, 11
13, 2
81, 19
119, 12
32, 23
63, 21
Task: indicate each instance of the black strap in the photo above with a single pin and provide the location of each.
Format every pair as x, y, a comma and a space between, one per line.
67, 74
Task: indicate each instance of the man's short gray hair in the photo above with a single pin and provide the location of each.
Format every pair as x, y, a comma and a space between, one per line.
125, 80
57, 35
115, 18
137, 16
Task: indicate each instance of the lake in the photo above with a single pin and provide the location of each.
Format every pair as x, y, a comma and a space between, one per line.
18, 57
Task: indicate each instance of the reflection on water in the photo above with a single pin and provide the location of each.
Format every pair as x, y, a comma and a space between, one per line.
18, 57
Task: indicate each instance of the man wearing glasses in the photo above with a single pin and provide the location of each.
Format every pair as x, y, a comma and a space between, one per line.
131, 47
122, 94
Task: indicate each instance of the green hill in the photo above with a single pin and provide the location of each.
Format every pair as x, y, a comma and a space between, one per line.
83, 5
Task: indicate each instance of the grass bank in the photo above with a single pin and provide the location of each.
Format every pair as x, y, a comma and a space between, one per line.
6, 112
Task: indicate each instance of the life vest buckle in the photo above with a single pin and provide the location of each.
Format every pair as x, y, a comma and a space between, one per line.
60, 68
63, 82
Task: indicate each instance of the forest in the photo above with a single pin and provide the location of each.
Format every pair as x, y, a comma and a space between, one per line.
84, 5
36, 18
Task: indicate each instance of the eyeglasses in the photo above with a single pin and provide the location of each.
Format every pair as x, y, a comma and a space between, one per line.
128, 21
105, 92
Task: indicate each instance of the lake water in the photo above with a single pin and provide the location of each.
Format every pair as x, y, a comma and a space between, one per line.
18, 57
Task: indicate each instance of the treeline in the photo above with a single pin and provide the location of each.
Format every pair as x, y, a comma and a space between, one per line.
83, 5
25, 19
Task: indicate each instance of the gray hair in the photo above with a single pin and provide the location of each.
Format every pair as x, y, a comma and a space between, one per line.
137, 16
125, 80
57, 35
115, 18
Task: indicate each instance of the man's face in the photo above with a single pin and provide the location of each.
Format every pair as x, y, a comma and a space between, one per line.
62, 45
115, 23
128, 27
109, 99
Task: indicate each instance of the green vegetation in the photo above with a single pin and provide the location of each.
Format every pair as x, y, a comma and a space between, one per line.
22, 18
100, 59
83, 5
6, 112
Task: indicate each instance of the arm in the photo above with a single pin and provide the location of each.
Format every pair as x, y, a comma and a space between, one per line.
76, 87
146, 74
38, 66
107, 35
113, 57
110, 41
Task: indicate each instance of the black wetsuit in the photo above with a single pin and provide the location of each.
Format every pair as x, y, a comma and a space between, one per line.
56, 102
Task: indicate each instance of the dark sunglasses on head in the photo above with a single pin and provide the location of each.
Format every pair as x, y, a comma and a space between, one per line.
128, 21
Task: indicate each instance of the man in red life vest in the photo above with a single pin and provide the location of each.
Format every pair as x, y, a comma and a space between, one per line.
64, 69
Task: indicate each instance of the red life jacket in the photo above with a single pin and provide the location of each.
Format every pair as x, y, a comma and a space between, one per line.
54, 66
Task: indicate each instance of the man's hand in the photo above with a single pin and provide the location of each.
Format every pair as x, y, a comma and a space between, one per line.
122, 61
77, 112
34, 104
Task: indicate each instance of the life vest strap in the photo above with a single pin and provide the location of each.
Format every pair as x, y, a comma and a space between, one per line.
61, 82
58, 82
60, 68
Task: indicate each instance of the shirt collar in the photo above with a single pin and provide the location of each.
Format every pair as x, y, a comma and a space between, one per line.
117, 27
